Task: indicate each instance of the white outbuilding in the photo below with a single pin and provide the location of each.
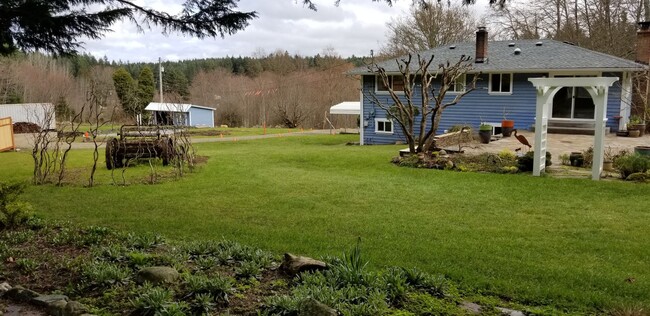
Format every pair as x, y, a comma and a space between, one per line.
348, 107
41, 114
181, 114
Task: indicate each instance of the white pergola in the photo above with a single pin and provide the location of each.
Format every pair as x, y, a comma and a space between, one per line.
598, 88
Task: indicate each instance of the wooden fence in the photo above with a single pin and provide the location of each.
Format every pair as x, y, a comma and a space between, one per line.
6, 134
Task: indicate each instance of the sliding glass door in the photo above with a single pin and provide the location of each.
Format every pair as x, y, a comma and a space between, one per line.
573, 103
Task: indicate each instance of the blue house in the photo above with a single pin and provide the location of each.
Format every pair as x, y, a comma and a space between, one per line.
503, 88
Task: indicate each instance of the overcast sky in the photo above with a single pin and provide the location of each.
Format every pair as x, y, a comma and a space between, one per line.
354, 27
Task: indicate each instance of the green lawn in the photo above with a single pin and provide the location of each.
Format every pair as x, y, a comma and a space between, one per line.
240, 131
570, 243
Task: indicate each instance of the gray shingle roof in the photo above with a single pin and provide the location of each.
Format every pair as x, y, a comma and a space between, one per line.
551, 55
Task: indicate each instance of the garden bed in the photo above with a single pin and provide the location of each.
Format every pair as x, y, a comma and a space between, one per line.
101, 270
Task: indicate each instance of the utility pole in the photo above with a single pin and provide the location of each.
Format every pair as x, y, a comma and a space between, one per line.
160, 71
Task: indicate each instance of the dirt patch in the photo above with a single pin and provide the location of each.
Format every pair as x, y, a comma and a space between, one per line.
14, 309
252, 298
209, 132
26, 127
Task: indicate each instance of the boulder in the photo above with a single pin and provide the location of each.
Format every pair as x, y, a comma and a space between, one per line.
471, 308
20, 293
4, 287
312, 307
57, 308
158, 275
639, 177
510, 312
46, 300
293, 265
74, 308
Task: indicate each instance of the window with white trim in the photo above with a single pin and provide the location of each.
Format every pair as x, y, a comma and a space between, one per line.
459, 85
395, 82
501, 83
383, 126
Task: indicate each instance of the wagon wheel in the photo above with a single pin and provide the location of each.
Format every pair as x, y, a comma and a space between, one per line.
111, 151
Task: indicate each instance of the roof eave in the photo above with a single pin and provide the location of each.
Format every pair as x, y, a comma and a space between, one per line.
530, 70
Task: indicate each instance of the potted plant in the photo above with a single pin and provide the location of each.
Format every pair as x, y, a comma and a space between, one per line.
576, 159
608, 159
636, 123
642, 150
632, 131
507, 125
485, 133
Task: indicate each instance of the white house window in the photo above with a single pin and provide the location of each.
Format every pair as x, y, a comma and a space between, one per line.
501, 83
383, 126
396, 82
459, 85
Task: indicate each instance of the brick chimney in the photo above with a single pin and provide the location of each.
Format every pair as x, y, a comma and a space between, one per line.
481, 45
642, 43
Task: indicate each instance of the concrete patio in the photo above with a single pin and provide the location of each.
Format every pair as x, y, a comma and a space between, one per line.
559, 144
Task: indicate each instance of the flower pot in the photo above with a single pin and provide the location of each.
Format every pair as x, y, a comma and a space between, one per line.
608, 165
634, 133
485, 136
506, 127
642, 150
577, 159
622, 133
640, 128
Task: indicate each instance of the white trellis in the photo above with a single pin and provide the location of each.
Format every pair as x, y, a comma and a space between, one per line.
598, 88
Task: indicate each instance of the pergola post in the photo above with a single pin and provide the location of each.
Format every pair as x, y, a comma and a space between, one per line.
599, 94
598, 88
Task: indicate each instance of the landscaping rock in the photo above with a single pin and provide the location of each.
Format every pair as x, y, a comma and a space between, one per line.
20, 293
470, 307
312, 307
639, 177
510, 312
4, 287
293, 265
46, 300
57, 308
74, 308
158, 275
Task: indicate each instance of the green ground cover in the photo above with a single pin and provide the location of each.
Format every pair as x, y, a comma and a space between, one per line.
571, 243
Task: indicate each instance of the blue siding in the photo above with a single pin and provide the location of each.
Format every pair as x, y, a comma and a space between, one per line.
614, 101
201, 117
478, 106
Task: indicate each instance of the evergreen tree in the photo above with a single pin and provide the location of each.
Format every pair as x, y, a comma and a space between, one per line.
125, 89
57, 26
176, 85
146, 88
62, 110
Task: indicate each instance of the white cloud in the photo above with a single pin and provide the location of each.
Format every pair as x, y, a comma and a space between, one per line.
354, 27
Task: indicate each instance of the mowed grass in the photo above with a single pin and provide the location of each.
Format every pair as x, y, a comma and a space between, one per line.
241, 131
571, 243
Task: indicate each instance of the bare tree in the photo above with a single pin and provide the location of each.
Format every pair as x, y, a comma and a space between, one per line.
44, 151
67, 134
427, 27
98, 98
602, 25
422, 102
